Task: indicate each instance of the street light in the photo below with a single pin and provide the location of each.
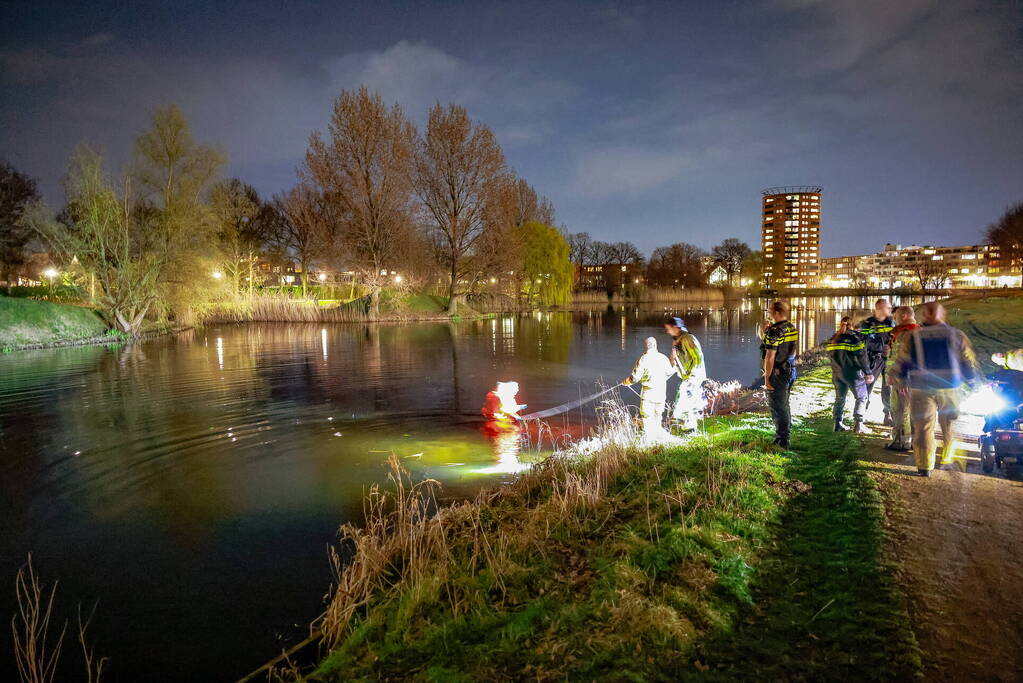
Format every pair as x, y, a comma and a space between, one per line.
397, 278
217, 275
323, 276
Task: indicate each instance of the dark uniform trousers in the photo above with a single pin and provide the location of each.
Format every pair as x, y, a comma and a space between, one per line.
778, 399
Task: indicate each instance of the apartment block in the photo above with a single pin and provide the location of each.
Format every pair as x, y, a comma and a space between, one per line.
791, 236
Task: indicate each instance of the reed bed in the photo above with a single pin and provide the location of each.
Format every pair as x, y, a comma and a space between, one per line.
652, 295
604, 542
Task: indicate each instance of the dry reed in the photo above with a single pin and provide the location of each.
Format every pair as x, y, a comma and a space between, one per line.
35, 655
406, 542
652, 295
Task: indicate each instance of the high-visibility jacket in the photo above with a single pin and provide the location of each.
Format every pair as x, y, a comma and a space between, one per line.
936, 356
783, 338
651, 372
848, 352
687, 356
878, 335
1014, 360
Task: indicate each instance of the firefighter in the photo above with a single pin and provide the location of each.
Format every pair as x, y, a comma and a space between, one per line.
687, 360
1009, 360
878, 332
849, 373
905, 321
781, 342
651, 372
934, 362
501, 409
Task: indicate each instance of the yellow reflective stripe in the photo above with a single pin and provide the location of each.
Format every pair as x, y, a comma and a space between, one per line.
845, 347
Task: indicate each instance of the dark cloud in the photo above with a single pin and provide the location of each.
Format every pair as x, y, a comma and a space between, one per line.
654, 121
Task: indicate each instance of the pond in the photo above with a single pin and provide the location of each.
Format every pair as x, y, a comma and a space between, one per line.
191, 484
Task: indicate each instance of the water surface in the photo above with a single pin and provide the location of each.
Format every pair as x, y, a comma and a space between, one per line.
191, 484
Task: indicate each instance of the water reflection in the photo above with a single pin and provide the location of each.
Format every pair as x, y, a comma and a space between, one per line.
205, 473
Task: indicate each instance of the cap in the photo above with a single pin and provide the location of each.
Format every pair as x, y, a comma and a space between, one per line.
679, 322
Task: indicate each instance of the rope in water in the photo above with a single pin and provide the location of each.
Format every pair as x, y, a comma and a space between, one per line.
565, 407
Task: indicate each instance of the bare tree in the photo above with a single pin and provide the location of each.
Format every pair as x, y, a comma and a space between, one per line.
364, 169
678, 265
457, 162
308, 226
731, 255
931, 274
580, 247
624, 253
531, 207
1007, 234
236, 207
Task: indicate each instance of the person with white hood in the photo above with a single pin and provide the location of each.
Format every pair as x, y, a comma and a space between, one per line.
651, 372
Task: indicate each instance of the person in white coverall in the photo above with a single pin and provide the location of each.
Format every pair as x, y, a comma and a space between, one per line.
651, 372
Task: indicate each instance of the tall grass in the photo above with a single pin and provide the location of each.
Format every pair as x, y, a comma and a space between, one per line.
37, 649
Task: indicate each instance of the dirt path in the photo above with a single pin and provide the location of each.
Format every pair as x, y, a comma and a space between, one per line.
958, 544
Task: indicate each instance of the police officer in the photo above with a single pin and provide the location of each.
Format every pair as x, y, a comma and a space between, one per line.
878, 332
849, 373
781, 342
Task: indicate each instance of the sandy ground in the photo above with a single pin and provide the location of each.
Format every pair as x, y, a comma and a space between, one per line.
958, 546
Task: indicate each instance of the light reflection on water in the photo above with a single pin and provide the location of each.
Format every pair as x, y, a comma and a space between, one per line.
192, 483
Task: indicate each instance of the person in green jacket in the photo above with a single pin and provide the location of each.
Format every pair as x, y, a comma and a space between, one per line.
687, 359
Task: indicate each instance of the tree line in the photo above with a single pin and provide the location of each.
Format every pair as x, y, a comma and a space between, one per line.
373, 196
681, 265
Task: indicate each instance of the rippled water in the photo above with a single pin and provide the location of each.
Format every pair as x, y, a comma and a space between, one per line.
191, 484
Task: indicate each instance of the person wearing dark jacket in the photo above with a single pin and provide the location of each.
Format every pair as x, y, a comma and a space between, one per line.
877, 330
781, 343
850, 372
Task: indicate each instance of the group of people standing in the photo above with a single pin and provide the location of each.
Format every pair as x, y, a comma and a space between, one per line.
652, 371
922, 367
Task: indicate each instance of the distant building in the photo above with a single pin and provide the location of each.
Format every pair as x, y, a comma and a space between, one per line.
610, 275
791, 225
898, 267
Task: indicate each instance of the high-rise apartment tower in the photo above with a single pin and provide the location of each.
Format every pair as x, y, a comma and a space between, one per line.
791, 220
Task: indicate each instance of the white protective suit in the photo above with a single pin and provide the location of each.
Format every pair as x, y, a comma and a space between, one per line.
652, 372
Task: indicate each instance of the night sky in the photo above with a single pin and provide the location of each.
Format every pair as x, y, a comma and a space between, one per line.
655, 122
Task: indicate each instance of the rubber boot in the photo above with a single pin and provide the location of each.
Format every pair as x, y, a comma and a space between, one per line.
839, 427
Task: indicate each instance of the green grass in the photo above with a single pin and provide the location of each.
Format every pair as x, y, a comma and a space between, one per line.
723, 559
993, 323
26, 322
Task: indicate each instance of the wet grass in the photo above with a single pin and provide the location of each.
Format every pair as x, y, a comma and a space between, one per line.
993, 322
25, 322
723, 559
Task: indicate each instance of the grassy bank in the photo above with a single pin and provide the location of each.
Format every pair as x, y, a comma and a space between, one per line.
993, 322
724, 558
27, 322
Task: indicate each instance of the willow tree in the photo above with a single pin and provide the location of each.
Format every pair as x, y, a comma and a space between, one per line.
546, 266
114, 239
364, 169
173, 175
457, 163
